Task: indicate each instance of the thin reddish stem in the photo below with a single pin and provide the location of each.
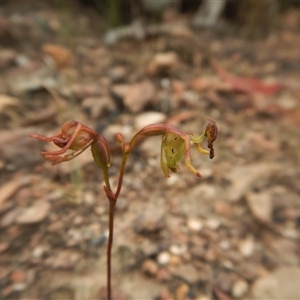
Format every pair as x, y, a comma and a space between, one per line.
112, 204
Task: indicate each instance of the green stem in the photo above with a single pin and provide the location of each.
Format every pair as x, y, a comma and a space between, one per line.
121, 175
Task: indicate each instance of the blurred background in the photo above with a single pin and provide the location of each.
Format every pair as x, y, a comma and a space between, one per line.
117, 66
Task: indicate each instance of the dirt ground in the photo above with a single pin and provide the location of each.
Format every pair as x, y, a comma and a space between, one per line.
233, 234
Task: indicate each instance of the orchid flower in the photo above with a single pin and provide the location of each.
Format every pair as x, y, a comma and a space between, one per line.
76, 137
175, 144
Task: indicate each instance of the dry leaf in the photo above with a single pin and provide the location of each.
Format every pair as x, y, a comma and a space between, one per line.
6, 101
9, 188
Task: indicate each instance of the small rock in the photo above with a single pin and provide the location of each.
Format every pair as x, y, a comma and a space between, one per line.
89, 198
55, 226
139, 95
150, 222
246, 246
178, 249
163, 64
65, 259
150, 267
244, 178
260, 205
213, 224
38, 251
181, 291
194, 225
99, 106
117, 73
19, 286
163, 258
120, 90
281, 284
190, 98
147, 118
175, 260
224, 281
34, 214
188, 273
240, 288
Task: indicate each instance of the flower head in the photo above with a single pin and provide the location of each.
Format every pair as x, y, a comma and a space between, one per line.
76, 137
175, 144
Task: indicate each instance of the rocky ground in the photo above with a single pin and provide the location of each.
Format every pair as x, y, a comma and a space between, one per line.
234, 234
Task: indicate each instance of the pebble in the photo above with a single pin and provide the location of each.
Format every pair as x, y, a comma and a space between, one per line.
246, 246
150, 221
243, 178
175, 260
163, 258
38, 251
139, 95
239, 288
188, 273
283, 283
178, 249
213, 224
194, 225
260, 205
147, 118
163, 64
181, 291
117, 73
150, 267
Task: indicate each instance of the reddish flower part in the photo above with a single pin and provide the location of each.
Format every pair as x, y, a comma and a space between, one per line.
76, 137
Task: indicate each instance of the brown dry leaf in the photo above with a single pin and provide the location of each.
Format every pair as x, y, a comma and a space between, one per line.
34, 214
8, 101
62, 56
247, 85
9, 188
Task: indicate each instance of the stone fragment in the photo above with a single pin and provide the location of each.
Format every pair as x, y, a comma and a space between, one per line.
239, 288
244, 178
117, 73
178, 249
260, 205
246, 246
182, 291
65, 259
150, 267
163, 64
99, 106
281, 284
139, 95
149, 222
147, 118
194, 224
163, 258
188, 273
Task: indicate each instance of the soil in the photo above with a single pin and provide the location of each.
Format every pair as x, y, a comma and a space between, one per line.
233, 234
